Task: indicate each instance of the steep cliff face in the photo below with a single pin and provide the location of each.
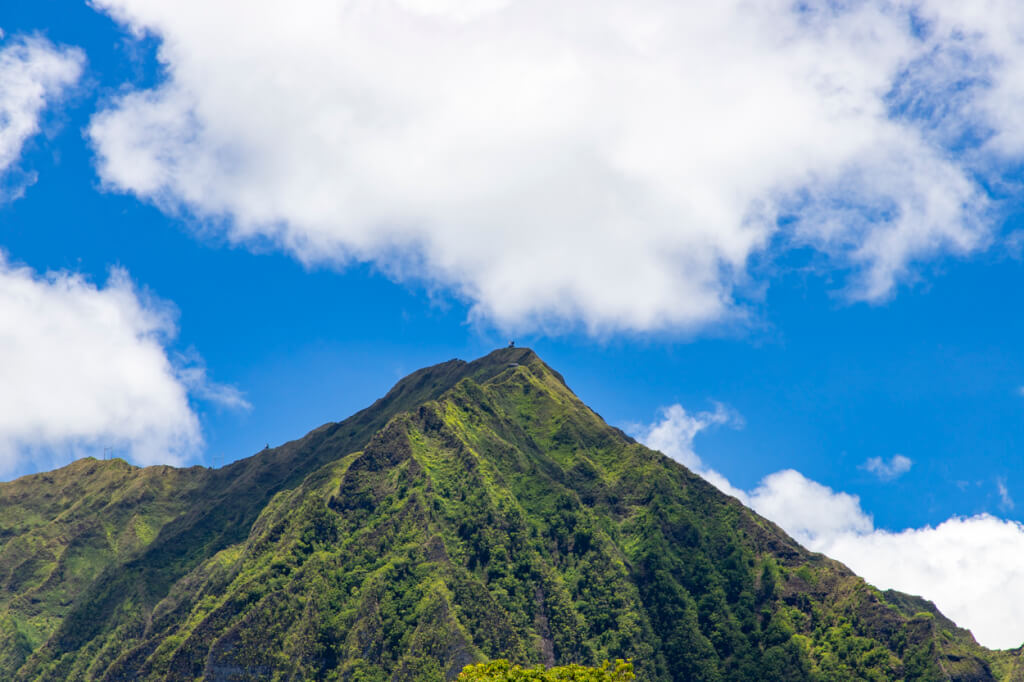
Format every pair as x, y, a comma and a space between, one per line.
480, 510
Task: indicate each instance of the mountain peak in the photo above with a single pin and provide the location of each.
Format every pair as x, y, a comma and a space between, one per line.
429, 383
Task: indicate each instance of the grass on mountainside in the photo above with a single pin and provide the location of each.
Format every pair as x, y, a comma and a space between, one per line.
60, 530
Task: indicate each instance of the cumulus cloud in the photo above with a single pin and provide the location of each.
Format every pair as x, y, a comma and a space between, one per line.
970, 567
673, 435
33, 73
84, 367
598, 163
809, 511
891, 470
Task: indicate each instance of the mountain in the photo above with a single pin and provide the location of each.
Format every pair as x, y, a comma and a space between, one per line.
479, 510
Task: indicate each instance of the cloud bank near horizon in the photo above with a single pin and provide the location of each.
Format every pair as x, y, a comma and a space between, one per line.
970, 567
616, 168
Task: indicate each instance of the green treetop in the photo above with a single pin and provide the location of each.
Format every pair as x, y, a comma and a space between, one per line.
503, 671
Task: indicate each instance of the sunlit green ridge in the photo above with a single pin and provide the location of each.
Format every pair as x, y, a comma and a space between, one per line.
478, 511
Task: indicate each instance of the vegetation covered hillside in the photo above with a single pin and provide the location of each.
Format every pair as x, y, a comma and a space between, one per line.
60, 530
479, 511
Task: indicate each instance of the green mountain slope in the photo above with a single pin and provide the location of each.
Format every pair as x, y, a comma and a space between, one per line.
218, 511
478, 511
60, 530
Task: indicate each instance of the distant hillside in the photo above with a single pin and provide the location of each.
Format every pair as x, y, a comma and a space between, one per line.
477, 511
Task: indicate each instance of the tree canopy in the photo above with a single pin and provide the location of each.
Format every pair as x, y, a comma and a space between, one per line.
503, 671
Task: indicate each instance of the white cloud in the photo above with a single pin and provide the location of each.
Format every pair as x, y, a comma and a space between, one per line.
33, 73
810, 512
84, 367
673, 435
609, 164
192, 373
970, 567
891, 470
1005, 501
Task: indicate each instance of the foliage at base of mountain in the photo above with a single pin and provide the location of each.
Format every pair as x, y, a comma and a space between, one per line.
479, 511
503, 671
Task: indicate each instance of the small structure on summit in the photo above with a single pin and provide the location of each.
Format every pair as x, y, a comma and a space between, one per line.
511, 344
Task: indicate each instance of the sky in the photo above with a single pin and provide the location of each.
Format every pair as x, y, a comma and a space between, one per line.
781, 242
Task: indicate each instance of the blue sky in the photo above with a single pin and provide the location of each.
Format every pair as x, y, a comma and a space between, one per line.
825, 346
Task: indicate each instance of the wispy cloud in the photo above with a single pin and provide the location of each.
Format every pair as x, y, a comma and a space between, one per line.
34, 73
192, 372
1005, 501
888, 470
